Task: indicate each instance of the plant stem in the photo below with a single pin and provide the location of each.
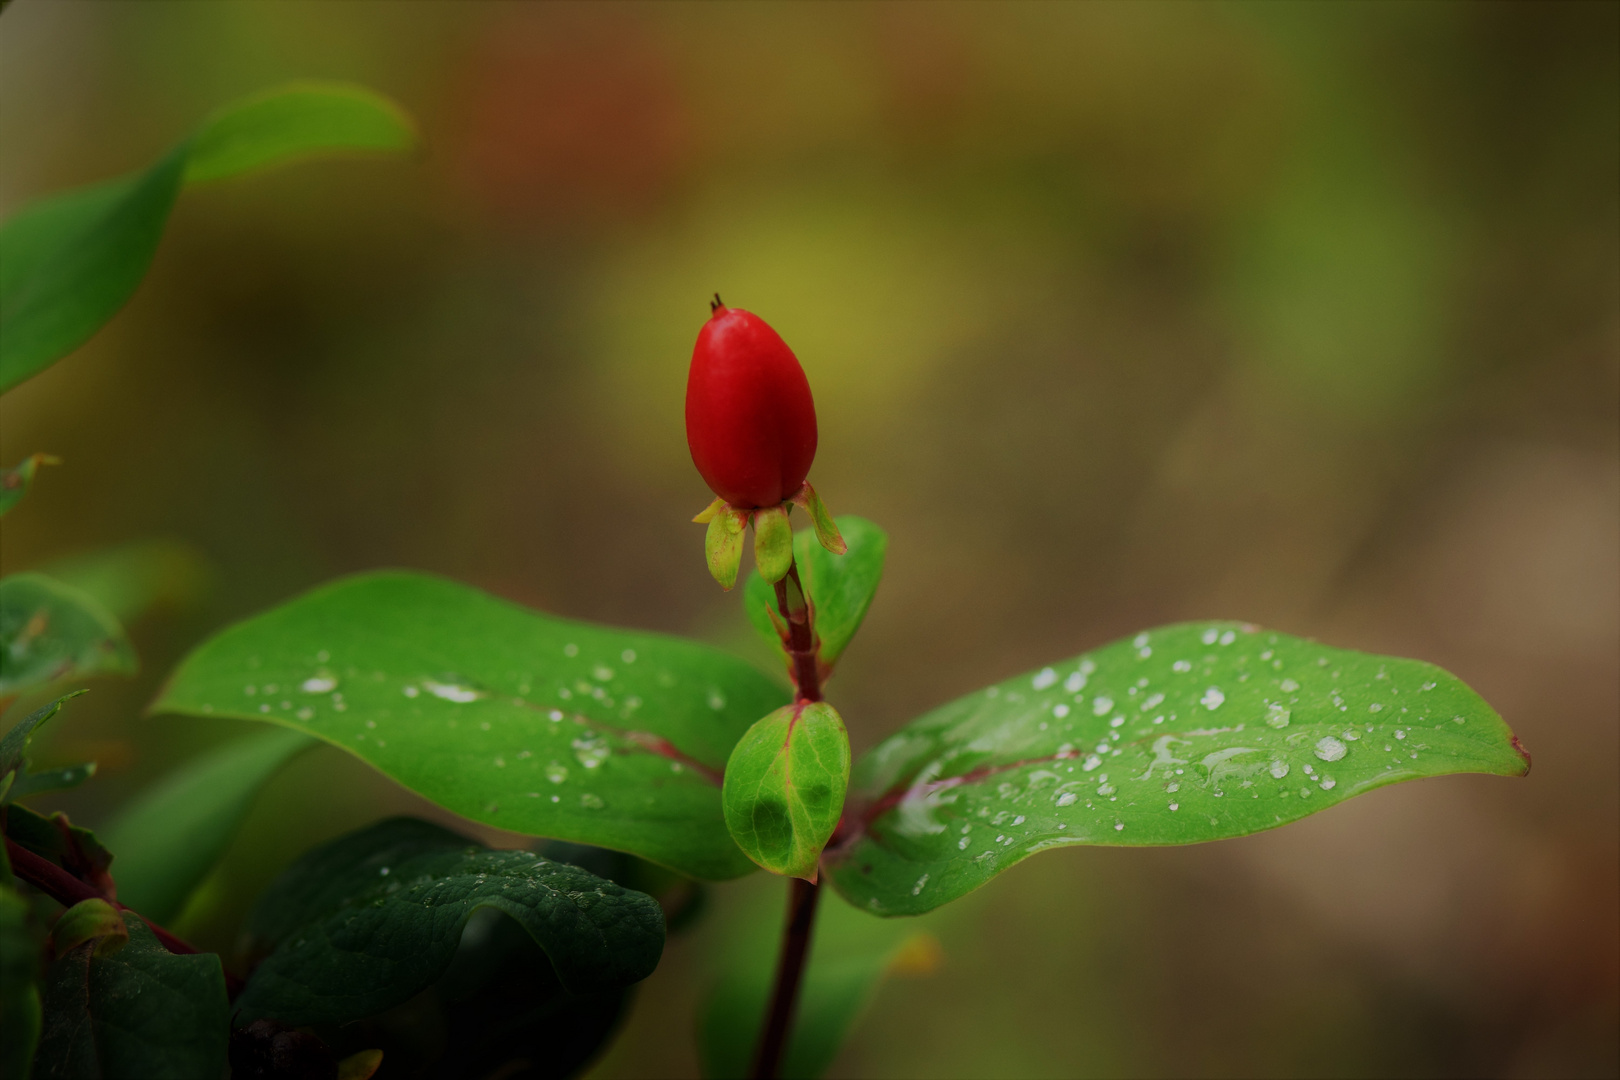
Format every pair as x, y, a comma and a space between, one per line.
801, 918
802, 895
801, 641
68, 890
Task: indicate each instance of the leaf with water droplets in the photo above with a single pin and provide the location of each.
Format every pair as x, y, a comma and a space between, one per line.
138, 1011
367, 921
170, 836
50, 631
840, 586
507, 716
1200, 731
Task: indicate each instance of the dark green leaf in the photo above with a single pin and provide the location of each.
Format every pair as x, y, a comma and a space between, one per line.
141, 1011
19, 983
1187, 733
367, 921
840, 586
507, 716
69, 262
850, 955
784, 787
55, 838
50, 631
173, 833
14, 481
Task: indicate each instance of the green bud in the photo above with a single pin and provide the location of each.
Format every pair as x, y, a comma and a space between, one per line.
723, 544
773, 543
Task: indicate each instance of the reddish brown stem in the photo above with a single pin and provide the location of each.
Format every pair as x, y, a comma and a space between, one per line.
801, 920
801, 639
68, 890
802, 895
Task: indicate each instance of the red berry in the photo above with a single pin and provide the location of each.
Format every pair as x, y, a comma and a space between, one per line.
750, 423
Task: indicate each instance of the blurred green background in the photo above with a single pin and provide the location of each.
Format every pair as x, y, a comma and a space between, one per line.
1115, 315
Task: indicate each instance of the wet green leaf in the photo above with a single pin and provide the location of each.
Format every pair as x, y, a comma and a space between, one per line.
14, 482
784, 787
171, 836
1184, 734
50, 631
840, 586
850, 955
140, 1011
367, 921
69, 262
504, 715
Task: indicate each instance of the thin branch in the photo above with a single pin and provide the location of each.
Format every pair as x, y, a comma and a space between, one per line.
801, 921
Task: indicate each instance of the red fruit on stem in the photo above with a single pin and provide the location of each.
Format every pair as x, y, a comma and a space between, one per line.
750, 422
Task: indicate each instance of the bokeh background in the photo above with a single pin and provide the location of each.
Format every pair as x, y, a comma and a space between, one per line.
1115, 315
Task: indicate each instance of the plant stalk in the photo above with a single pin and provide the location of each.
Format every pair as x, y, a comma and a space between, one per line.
801, 919
802, 895
801, 640
68, 890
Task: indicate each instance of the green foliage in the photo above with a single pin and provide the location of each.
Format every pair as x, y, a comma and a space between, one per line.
173, 833
15, 481
59, 779
367, 921
139, 1011
1184, 734
850, 956
70, 261
19, 982
773, 543
14, 744
784, 787
840, 586
93, 920
506, 716
59, 841
50, 631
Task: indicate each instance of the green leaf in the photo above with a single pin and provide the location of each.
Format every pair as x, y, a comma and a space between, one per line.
131, 579
506, 716
723, 544
32, 783
784, 787
1184, 734
92, 920
851, 953
297, 121
50, 631
57, 839
171, 836
840, 586
14, 744
367, 921
504, 1008
14, 481
19, 979
69, 262
141, 1011
773, 543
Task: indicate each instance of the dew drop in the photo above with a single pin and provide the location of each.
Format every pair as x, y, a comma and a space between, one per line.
1046, 677
1277, 716
1329, 749
1212, 699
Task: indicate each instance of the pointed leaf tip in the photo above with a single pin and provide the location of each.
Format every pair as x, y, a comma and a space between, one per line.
826, 528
